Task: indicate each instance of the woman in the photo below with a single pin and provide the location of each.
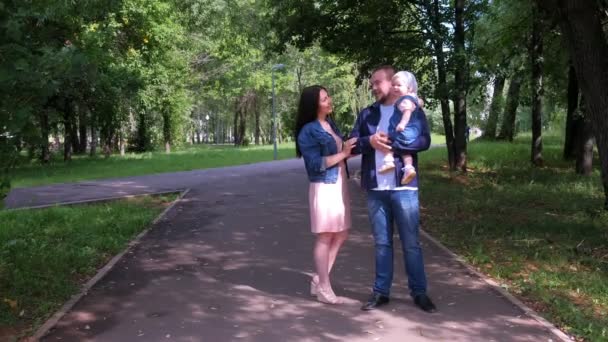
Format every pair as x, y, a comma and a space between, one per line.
318, 141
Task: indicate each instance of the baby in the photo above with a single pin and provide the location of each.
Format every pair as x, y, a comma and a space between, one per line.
405, 125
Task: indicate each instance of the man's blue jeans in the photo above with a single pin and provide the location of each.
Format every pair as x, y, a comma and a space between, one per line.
400, 207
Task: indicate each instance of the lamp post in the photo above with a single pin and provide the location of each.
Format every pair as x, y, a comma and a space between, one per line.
274, 114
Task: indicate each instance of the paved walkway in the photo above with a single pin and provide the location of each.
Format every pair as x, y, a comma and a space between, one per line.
41, 196
231, 261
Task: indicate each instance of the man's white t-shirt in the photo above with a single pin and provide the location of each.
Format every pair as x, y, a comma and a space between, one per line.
386, 181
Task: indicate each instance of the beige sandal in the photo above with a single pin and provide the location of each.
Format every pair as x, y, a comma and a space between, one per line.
386, 168
313, 286
327, 296
408, 177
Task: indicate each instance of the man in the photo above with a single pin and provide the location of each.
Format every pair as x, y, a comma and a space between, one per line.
389, 203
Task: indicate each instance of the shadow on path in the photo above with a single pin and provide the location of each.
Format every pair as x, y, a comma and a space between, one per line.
231, 263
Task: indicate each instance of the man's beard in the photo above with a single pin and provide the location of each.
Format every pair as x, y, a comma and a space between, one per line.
379, 99
384, 98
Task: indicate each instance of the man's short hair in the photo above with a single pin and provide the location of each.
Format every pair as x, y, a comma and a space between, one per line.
388, 69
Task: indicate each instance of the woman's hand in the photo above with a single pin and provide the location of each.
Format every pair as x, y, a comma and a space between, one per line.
348, 146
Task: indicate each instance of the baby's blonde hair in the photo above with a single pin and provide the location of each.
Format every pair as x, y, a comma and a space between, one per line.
409, 79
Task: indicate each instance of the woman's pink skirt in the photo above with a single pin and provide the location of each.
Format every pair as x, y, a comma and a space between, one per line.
330, 205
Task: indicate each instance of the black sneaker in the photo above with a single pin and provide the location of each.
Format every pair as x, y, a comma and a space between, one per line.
424, 302
375, 301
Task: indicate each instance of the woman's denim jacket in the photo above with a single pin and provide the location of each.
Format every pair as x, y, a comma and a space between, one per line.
315, 144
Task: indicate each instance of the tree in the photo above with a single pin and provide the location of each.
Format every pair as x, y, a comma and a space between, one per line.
583, 140
507, 129
573, 97
495, 107
500, 50
581, 25
460, 103
437, 18
536, 58
371, 33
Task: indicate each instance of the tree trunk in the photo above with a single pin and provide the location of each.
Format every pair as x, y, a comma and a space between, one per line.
536, 56
584, 146
107, 135
74, 129
442, 91
569, 143
221, 132
244, 105
495, 107
460, 115
299, 71
121, 143
242, 126
256, 110
93, 150
507, 129
582, 140
82, 127
68, 131
74, 135
582, 29
168, 139
67, 149
217, 130
236, 123
107, 149
143, 142
107, 142
584, 157
45, 155
56, 139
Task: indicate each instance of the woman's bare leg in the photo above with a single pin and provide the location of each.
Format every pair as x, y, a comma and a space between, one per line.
321, 258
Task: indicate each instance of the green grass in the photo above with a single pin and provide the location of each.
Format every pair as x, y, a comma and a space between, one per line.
188, 158
83, 168
46, 254
437, 139
540, 231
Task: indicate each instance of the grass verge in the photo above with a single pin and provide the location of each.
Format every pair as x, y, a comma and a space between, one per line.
188, 158
195, 157
47, 254
541, 232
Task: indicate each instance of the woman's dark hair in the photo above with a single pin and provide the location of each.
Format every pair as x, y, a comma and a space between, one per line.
307, 110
